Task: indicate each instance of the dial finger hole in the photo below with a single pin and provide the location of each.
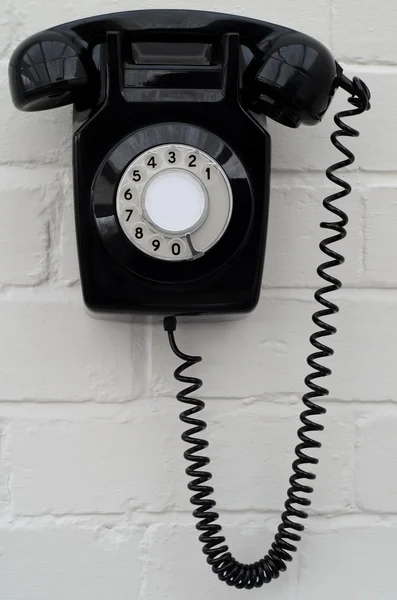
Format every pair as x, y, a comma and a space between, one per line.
152, 162
172, 156
140, 232
209, 173
192, 161
137, 175
176, 248
156, 244
130, 214
128, 193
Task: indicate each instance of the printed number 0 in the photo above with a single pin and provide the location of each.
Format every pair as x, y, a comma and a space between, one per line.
175, 249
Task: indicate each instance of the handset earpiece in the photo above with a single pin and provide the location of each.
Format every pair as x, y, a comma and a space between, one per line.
292, 80
51, 69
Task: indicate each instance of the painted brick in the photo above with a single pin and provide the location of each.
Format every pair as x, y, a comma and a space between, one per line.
4, 475
367, 328
65, 562
376, 459
380, 238
366, 34
6, 27
23, 234
63, 354
93, 467
68, 265
341, 563
312, 17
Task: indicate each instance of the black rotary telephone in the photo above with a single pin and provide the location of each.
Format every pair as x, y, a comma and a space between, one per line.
171, 181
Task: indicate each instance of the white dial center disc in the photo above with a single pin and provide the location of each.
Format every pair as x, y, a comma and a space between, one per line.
175, 201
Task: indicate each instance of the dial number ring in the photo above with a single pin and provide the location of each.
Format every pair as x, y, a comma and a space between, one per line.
214, 200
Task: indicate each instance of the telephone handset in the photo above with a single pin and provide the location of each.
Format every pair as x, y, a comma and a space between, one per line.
171, 182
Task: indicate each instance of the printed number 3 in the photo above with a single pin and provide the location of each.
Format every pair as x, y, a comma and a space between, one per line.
171, 157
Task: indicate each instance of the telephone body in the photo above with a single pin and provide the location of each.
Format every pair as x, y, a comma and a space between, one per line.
171, 183
173, 102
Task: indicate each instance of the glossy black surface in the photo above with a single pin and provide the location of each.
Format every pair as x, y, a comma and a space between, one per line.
290, 76
104, 193
295, 79
142, 78
116, 275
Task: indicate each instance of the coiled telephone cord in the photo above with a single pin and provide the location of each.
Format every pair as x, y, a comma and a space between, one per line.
223, 564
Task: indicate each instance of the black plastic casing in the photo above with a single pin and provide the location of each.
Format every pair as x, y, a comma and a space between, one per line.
144, 78
115, 275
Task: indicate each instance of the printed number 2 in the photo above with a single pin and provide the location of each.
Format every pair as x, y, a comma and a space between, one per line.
193, 159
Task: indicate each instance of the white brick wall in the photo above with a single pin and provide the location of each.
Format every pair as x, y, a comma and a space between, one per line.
93, 499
